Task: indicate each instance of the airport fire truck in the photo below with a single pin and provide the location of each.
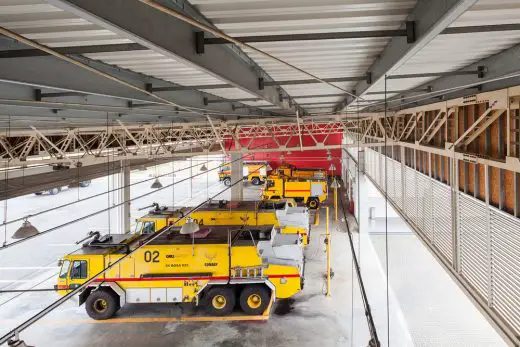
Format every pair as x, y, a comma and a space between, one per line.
311, 192
253, 171
218, 267
291, 171
283, 213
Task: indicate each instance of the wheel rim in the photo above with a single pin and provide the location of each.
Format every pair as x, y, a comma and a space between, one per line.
312, 203
254, 301
219, 302
100, 305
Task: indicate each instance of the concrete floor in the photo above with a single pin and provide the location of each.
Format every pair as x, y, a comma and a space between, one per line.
420, 313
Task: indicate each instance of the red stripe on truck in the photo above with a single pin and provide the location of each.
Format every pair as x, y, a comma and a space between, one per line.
139, 279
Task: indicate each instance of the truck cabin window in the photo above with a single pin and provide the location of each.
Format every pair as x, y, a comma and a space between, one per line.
79, 269
64, 269
145, 227
269, 184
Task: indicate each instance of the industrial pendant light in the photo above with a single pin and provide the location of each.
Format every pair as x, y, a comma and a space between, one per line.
203, 168
335, 184
156, 184
332, 167
25, 231
329, 156
190, 227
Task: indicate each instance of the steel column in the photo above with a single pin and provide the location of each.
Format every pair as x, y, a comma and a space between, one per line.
237, 175
126, 215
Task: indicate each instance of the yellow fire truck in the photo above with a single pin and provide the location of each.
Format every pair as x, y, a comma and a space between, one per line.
218, 267
291, 171
284, 214
253, 171
311, 192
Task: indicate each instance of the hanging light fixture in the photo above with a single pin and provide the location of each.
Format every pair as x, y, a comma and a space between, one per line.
190, 227
203, 168
156, 184
335, 184
329, 155
332, 167
25, 231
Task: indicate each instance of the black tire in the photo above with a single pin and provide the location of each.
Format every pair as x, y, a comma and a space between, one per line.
38, 193
219, 301
84, 184
227, 181
101, 304
254, 299
313, 203
255, 181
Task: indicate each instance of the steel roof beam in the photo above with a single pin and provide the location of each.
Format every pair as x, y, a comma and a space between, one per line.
431, 19
408, 33
501, 71
175, 39
312, 37
219, 101
316, 96
367, 77
42, 73
24, 53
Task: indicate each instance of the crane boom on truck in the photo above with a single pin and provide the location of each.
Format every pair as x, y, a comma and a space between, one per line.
284, 214
305, 173
218, 267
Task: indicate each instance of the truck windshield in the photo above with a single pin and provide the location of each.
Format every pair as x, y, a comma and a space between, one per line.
64, 269
269, 184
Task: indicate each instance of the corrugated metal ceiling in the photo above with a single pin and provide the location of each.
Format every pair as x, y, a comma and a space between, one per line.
325, 58
453, 52
51, 26
54, 27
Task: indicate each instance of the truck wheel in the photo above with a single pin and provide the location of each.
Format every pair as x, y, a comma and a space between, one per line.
255, 181
220, 301
84, 184
54, 191
38, 193
227, 181
313, 203
254, 299
101, 305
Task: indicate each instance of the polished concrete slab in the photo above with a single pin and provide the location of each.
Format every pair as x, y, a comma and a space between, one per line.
410, 310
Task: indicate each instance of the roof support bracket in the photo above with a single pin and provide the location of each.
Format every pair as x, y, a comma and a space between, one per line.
199, 42
410, 31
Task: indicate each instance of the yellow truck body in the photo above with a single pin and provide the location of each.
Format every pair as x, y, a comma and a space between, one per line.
283, 214
253, 171
217, 267
311, 192
291, 171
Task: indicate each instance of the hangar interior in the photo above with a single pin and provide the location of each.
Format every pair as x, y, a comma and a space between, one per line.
260, 172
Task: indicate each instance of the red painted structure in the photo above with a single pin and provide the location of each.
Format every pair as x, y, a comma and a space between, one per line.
293, 156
